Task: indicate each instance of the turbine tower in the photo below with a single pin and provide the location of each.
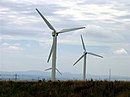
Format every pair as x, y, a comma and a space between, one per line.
85, 55
109, 74
54, 44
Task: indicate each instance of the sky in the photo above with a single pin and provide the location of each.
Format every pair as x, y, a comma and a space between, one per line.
25, 39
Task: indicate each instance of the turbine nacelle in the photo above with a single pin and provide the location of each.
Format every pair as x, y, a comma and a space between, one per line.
54, 34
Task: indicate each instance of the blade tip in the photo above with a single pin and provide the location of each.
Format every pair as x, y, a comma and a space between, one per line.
47, 61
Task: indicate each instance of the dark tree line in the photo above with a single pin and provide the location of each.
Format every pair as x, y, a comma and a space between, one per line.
65, 89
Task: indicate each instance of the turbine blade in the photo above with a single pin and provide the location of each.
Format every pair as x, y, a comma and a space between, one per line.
50, 53
48, 24
70, 29
48, 69
83, 43
58, 71
79, 59
94, 54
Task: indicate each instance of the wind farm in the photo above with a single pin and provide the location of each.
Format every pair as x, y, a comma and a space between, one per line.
54, 44
75, 48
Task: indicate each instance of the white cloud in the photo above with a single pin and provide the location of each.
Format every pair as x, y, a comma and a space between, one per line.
93, 35
91, 11
99, 33
16, 48
11, 47
120, 51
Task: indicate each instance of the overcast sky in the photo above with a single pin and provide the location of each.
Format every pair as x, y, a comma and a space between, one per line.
25, 39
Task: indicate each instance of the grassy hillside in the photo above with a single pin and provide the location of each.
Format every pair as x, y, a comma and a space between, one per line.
64, 89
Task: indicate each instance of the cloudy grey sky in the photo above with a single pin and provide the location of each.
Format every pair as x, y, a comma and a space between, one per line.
25, 39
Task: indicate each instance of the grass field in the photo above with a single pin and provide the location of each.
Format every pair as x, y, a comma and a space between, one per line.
64, 89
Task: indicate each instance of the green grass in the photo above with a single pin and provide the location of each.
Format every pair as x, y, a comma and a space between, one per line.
64, 89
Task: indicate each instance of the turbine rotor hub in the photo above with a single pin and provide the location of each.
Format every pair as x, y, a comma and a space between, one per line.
85, 52
54, 34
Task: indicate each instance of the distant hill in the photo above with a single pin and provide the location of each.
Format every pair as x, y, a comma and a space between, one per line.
39, 75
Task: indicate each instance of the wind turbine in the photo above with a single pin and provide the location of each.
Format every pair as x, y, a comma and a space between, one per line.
84, 55
54, 44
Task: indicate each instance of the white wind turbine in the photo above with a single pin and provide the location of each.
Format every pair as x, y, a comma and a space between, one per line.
54, 44
84, 55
